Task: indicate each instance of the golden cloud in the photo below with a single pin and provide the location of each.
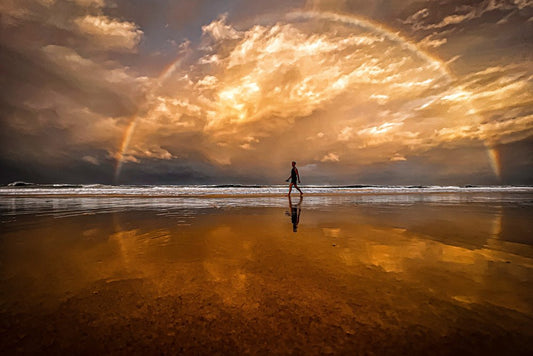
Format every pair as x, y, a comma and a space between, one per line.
339, 89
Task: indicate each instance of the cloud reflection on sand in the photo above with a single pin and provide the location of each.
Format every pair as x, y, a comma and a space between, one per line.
447, 268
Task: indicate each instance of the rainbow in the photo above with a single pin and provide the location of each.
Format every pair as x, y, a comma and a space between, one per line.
494, 160
130, 128
375, 26
126, 138
348, 19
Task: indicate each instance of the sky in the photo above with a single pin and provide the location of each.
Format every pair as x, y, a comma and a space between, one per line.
216, 92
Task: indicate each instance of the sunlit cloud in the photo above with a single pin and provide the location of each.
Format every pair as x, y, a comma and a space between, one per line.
91, 159
330, 157
267, 77
398, 157
109, 33
422, 19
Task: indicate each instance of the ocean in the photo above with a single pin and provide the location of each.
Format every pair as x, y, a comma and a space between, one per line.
231, 190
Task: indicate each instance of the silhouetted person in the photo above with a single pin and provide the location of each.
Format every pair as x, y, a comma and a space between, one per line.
293, 178
295, 211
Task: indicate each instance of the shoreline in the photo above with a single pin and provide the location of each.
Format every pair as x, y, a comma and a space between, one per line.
256, 195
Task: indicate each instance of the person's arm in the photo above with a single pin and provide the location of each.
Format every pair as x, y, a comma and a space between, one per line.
298, 175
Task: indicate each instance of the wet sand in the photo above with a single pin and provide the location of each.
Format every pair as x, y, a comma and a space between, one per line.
379, 277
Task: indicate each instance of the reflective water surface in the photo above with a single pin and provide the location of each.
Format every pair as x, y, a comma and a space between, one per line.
399, 274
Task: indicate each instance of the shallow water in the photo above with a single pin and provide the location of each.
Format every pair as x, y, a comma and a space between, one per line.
415, 273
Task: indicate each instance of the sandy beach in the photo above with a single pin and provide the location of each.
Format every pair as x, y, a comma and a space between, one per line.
230, 276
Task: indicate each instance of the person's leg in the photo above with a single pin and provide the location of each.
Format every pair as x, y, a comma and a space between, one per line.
296, 186
290, 189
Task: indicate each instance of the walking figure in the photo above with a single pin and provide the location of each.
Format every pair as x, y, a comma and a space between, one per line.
293, 178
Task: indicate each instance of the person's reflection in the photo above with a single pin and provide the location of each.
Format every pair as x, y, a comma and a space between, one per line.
295, 211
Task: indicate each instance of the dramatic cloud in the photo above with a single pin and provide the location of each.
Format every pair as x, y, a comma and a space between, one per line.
109, 33
463, 13
322, 84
